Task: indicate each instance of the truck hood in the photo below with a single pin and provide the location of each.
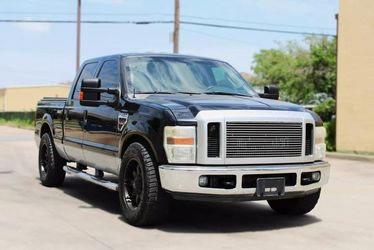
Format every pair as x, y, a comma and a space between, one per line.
188, 106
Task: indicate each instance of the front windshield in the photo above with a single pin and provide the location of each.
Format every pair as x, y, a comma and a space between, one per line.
154, 74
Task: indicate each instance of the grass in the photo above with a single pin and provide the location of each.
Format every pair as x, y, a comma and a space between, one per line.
18, 123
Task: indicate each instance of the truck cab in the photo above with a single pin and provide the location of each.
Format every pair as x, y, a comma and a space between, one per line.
181, 127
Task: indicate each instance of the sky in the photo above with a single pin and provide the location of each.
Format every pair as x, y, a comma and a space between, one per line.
42, 53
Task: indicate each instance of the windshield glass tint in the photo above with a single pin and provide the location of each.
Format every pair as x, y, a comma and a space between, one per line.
183, 74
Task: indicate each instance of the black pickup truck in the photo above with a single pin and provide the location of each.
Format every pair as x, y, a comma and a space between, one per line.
180, 127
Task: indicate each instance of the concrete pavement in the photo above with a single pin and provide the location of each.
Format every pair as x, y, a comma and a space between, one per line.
81, 215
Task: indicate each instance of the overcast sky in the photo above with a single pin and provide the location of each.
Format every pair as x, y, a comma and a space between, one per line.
45, 53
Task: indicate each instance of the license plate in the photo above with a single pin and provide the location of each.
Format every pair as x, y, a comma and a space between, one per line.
270, 187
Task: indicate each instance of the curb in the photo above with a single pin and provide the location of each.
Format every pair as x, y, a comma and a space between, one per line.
345, 156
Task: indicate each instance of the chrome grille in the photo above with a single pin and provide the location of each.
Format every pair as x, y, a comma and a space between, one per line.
213, 147
213, 139
263, 139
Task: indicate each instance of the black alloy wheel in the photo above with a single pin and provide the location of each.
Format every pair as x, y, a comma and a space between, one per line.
133, 185
50, 163
43, 161
143, 202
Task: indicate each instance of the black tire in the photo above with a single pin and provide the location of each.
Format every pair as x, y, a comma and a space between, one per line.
142, 199
295, 206
50, 163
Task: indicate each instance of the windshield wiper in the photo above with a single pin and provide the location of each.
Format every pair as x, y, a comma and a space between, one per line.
154, 92
170, 93
188, 93
225, 93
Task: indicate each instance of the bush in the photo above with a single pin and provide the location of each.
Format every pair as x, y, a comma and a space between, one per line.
17, 119
330, 138
327, 110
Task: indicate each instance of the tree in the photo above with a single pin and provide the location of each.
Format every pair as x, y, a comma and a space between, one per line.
302, 70
305, 73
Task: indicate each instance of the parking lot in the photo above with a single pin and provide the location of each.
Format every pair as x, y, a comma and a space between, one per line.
81, 215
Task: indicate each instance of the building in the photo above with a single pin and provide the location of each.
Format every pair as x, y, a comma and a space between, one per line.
18, 99
355, 79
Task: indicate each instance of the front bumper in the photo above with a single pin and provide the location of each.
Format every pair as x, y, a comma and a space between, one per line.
183, 181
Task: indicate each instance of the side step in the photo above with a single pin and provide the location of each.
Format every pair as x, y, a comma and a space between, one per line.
91, 178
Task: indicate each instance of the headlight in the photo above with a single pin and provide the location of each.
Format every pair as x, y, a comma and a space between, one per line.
319, 143
180, 144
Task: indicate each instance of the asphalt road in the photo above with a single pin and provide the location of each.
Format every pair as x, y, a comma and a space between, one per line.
81, 215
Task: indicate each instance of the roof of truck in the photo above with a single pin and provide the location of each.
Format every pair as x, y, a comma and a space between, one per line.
149, 54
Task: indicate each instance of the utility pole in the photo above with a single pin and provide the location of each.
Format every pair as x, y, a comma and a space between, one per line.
176, 28
78, 35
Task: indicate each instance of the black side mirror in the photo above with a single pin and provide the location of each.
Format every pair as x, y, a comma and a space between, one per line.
91, 90
270, 92
88, 90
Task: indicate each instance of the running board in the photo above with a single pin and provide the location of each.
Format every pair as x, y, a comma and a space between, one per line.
91, 178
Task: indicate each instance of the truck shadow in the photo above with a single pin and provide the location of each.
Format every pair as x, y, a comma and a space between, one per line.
194, 217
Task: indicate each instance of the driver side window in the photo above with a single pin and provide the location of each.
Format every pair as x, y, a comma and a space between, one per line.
88, 71
109, 76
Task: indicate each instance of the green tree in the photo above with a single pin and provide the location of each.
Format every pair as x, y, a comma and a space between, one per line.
305, 73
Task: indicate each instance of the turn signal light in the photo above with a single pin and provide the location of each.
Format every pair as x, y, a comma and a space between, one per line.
180, 140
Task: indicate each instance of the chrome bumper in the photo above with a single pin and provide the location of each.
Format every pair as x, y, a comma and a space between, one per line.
185, 179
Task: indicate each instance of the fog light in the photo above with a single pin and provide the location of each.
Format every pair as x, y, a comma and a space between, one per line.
316, 176
203, 181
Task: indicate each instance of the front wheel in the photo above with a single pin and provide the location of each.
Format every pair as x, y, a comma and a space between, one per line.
143, 202
50, 163
295, 206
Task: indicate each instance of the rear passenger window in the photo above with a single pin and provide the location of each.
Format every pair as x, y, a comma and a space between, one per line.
109, 76
88, 72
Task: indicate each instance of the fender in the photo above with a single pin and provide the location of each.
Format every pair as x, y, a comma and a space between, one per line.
148, 130
47, 119
134, 134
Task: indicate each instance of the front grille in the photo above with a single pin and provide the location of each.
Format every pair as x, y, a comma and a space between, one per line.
263, 139
309, 139
213, 139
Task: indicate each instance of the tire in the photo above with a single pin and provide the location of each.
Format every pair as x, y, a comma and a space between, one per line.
143, 202
50, 163
295, 206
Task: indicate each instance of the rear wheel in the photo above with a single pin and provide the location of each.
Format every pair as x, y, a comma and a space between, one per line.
143, 202
296, 206
50, 163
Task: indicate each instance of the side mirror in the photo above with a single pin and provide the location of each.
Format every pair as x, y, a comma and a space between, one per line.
88, 90
270, 92
90, 93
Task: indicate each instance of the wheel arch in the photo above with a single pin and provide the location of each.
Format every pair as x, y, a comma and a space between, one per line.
46, 125
141, 139
45, 128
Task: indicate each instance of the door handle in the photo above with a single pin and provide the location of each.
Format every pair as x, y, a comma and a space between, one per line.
66, 114
85, 112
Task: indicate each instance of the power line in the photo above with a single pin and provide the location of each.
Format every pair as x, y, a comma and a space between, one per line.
257, 29
215, 36
85, 14
212, 25
258, 23
83, 21
167, 15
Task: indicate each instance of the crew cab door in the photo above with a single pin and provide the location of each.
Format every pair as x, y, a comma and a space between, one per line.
73, 116
101, 135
